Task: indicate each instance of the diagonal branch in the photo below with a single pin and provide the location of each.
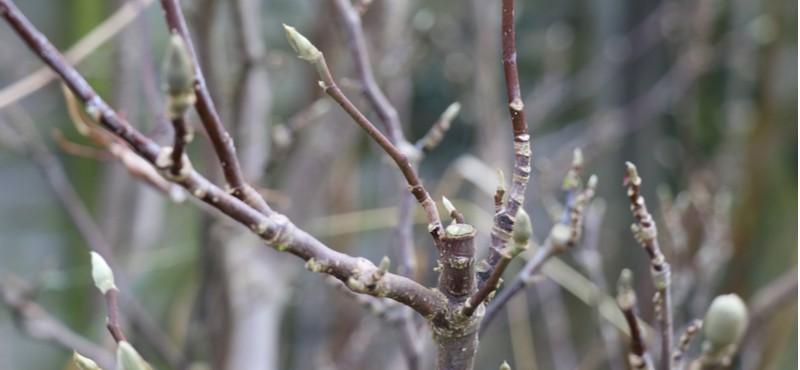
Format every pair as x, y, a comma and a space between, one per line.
275, 229
309, 52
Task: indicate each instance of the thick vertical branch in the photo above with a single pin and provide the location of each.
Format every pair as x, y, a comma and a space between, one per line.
504, 221
220, 139
457, 262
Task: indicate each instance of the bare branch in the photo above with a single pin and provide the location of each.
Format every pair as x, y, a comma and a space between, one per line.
645, 232
221, 140
307, 51
504, 221
639, 357
275, 229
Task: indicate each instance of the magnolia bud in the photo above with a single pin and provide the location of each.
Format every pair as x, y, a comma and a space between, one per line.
304, 48
505, 366
102, 274
84, 363
523, 230
129, 359
725, 321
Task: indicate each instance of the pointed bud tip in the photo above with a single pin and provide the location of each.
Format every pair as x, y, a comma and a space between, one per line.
448, 205
102, 274
577, 157
505, 366
129, 359
304, 48
83, 362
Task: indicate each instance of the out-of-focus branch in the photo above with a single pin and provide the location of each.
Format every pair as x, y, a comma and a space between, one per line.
126, 14
646, 234
221, 140
60, 184
638, 357
35, 322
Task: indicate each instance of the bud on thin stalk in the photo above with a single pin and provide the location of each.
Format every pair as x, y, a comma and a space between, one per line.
304, 48
102, 274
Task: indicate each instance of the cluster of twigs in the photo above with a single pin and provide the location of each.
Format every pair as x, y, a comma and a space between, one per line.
463, 303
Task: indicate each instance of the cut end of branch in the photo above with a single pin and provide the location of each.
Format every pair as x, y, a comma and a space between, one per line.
304, 48
102, 274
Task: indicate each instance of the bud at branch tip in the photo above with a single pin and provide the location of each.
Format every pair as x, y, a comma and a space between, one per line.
304, 48
102, 274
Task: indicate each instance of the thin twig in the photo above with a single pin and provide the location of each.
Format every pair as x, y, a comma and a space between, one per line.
683, 344
221, 140
645, 232
639, 357
315, 57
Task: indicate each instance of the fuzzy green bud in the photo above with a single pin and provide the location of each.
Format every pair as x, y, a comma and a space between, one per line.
523, 230
129, 359
84, 363
179, 69
304, 48
725, 321
102, 274
179, 75
505, 366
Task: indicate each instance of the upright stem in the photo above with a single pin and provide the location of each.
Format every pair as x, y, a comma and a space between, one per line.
220, 139
504, 221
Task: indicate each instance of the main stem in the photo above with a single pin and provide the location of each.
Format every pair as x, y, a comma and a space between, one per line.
457, 336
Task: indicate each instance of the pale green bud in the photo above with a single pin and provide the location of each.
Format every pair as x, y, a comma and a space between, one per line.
179, 67
725, 321
505, 366
129, 359
84, 363
523, 230
448, 205
102, 274
304, 48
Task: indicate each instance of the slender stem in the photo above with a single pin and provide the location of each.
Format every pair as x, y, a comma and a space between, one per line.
358, 47
504, 221
523, 279
275, 229
638, 357
220, 139
646, 233
180, 141
113, 324
402, 161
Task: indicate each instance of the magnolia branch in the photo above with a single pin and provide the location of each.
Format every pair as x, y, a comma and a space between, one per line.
310, 53
275, 229
504, 220
645, 232
221, 140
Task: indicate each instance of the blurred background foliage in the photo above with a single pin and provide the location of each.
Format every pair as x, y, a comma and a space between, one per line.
701, 95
